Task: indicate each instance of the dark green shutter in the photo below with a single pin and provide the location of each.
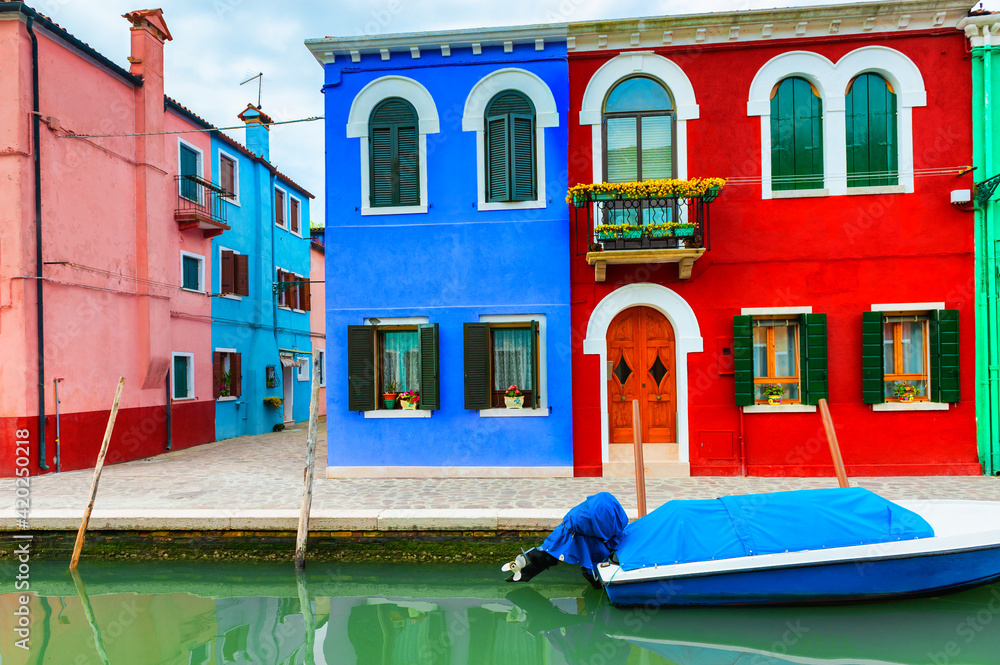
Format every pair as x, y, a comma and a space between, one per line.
813, 359
192, 272
872, 358
430, 383
408, 156
189, 166
180, 377
522, 157
796, 136
944, 356
497, 160
535, 370
743, 359
477, 366
872, 159
361, 368
394, 154
381, 182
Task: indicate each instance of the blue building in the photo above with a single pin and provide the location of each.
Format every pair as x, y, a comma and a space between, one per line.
446, 185
261, 341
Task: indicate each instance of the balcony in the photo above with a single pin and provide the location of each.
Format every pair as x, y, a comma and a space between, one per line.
659, 221
199, 205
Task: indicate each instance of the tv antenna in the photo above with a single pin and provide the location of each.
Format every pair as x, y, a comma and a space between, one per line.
260, 81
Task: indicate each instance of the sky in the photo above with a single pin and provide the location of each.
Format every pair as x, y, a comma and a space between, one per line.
219, 43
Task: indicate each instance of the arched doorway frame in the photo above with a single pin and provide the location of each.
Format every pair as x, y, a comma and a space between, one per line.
687, 335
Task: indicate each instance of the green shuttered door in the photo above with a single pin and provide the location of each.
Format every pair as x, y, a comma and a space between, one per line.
813, 347
743, 359
872, 359
430, 382
361, 368
944, 356
477, 365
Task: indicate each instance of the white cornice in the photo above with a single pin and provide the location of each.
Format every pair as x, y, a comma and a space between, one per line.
982, 30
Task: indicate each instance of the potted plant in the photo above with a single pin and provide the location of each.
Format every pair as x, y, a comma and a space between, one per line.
683, 230
225, 389
904, 392
390, 395
409, 400
513, 398
272, 401
773, 393
607, 231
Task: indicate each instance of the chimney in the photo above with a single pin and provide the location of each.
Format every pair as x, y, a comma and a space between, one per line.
258, 126
149, 31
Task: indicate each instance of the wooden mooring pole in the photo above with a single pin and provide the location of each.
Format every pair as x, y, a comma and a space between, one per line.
97, 475
640, 470
831, 437
307, 494
88, 610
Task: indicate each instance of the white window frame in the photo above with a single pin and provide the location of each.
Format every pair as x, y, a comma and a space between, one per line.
236, 175
780, 408
543, 379
284, 205
201, 271
322, 366
227, 296
546, 115
277, 302
303, 370
398, 413
914, 308
427, 123
289, 196
173, 385
201, 161
227, 398
831, 81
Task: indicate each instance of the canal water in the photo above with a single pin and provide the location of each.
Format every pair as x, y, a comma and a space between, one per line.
204, 613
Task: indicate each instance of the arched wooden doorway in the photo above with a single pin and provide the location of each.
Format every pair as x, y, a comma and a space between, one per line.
641, 363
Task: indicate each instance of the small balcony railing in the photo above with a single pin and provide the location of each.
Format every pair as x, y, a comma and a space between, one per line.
199, 205
649, 222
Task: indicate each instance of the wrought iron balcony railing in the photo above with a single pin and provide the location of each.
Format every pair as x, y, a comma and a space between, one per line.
199, 205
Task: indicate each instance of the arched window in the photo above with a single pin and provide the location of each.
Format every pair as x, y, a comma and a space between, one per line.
510, 148
638, 131
394, 158
872, 153
796, 135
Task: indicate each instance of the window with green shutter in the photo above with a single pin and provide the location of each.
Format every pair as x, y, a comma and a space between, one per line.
498, 356
393, 359
796, 136
394, 155
183, 376
872, 158
510, 148
780, 355
191, 272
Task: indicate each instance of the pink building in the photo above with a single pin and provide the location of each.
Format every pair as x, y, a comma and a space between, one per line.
317, 316
94, 231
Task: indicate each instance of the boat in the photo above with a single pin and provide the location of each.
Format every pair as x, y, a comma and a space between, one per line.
802, 547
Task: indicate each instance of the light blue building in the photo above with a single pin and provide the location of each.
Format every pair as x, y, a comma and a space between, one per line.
446, 185
261, 340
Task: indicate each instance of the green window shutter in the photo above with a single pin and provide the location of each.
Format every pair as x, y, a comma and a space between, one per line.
477, 365
657, 147
796, 136
408, 159
361, 368
430, 382
189, 166
872, 158
394, 155
813, 358
191, 274
535, 370
621, 149
872, 359
381, 181
180, 377
522, 159
497, 160
944, 356
743, 359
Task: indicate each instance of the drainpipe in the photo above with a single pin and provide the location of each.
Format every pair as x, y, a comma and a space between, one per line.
55, 383
36, 128
170, 434
991, 263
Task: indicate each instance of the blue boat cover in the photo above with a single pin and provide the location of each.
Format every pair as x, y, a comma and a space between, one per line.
748, 525
589, 532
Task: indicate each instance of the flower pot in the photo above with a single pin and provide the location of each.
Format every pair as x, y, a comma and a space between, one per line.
389, 399
682, 231
605, 196
710, 195
632, 234
514, 402
580, 199
906, 397
774, 400
408, 405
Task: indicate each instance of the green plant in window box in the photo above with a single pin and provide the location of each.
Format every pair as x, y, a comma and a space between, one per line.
409, 400
631, 230
773, 393
390, 395
608, 231
903, 391
273, 401
513, 398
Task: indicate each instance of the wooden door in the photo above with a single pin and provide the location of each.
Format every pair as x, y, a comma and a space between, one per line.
641, 366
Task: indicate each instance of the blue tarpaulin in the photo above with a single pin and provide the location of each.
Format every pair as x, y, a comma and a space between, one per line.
589, 532
737, 526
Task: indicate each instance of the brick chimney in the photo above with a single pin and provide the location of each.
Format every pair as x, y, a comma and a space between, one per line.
258, 126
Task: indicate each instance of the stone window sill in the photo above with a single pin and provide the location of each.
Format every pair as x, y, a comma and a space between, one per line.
398, 413
911, 406
780, 408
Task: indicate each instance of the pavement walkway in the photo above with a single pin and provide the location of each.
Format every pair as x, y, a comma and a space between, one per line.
255, 483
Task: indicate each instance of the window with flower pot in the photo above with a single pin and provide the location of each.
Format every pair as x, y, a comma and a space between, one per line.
780, 358
227, 376
385, 360
510, 148
394, 158
500, 354
910, 356
872, 153
796, 135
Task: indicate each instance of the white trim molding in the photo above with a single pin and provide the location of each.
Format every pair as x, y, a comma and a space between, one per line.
190, 376
687, 336
543, 376
775, 311
908, 307
473, 119
831, 82
630, 64
427, 123
202, 287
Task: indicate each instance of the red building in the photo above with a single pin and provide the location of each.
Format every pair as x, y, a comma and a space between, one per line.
833, 263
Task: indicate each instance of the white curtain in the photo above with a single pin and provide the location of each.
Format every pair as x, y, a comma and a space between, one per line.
512, 358
401, 361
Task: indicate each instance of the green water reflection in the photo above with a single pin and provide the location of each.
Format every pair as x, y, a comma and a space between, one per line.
200, 614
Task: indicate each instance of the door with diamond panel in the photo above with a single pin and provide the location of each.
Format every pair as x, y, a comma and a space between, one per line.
641, 364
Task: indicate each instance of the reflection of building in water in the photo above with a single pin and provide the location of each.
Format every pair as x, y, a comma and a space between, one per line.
259, 630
